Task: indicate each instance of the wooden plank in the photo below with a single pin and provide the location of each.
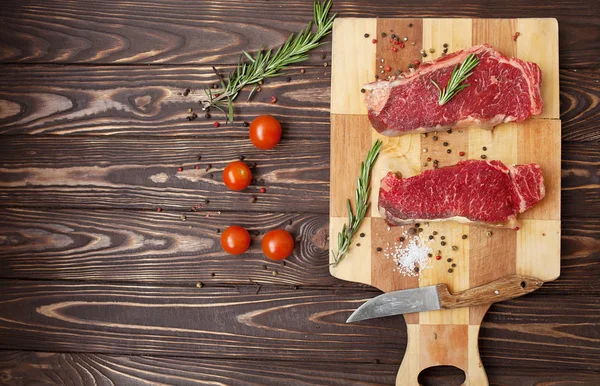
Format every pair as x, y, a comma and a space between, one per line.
276, 323
42, 368
142, 100
116, 172
143, 173
173, 31
145, 246
142, 246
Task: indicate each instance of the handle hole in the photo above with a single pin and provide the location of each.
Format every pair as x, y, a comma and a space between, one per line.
523, 284
441, 376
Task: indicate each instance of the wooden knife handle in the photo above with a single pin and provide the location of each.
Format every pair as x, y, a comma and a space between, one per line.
505, 288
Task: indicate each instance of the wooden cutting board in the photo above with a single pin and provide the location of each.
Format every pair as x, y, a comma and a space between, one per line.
447, 337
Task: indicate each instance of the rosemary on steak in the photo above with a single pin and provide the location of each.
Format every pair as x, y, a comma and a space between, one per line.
266, 64
459, 75
361, 202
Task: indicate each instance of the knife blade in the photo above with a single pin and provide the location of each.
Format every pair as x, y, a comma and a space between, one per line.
438, 297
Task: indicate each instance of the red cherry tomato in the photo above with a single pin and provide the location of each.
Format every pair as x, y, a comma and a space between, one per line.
235, 240
237, 176
265, 132
278, 244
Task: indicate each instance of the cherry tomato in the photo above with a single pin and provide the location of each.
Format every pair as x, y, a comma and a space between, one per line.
237, 176
235, 240
278, 244
265, 132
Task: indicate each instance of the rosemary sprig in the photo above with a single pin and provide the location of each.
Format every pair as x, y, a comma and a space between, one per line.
458, 76
266, 64
361, 201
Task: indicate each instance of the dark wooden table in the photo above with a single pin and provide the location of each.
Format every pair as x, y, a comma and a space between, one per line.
99, 287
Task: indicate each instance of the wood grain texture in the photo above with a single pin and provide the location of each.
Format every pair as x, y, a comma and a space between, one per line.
235, 322
143, 173
176, 31
144, 246
141, 246
142, 100
42, 368
107, 172
505, 288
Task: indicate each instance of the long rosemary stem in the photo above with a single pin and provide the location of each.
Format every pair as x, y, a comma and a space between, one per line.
361, 202
265, 64
458, 76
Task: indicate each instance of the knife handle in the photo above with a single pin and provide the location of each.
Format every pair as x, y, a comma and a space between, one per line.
505, 288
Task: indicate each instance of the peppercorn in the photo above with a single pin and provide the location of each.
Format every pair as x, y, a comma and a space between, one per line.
253, 199
245, 124
449, 259
462, 153
420, 230
409, 25
362, 90
443, 237
449, 131
262, 190
417, 225
443, 243
435, 233
445, 143
483, 156
453, 265
435, 138
416, 269
454, 248
429, 255
449, 151
401, 239
464, 237
379, 249
438, 257
445, 45
216, 124
449, 270
484, 148
435, 162
383, 34
362, 235
489, 233
367, 35
430, 237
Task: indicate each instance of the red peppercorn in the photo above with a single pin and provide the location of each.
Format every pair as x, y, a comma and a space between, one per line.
428, 159
273, 99
438, 257
387, 69
462, 153
391, 40
262, 190
374, 41
394, 49
517, 228
401, 45
396, 42
216, 124
416, 62
197, 166
159, 209
217, 95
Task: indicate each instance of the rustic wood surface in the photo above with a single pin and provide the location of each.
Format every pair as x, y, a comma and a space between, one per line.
100, 288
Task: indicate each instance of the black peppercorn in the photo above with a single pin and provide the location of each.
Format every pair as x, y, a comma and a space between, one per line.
379, 249
484, 148
434, 233
449, 270
435, 138
445, 143
448, 151
362, 90
362, 235
453, 265
401, 239
245, 124
367, 35
483, 156
443, 237
449, 131
443, 243
464, 237
449, 259
430, 237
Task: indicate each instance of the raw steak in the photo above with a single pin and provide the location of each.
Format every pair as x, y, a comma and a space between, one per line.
501, 90
485, 192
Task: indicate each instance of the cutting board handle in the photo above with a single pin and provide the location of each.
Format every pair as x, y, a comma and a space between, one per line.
442, 345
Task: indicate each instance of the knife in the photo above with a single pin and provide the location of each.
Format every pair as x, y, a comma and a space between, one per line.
437, 297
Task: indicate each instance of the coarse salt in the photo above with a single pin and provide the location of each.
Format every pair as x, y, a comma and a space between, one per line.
415, 254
